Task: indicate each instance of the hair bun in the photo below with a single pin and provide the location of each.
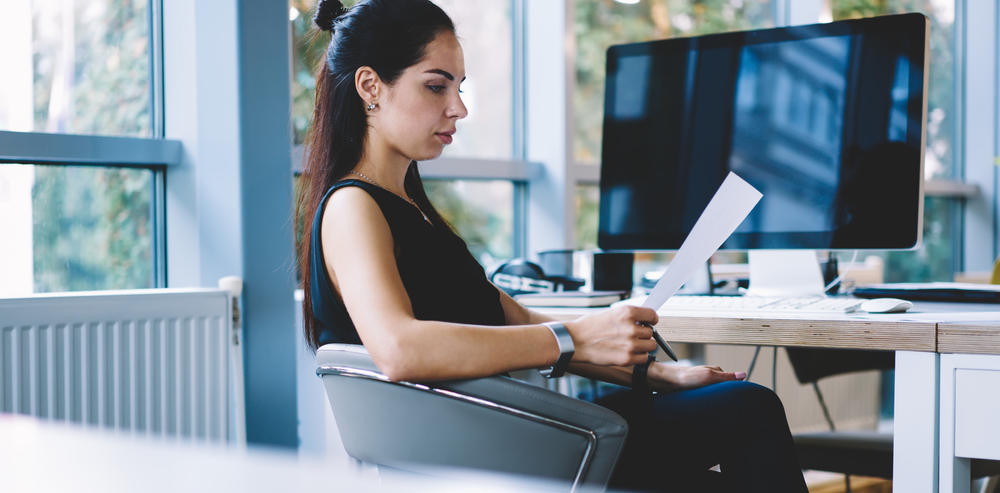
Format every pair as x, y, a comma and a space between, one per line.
327, 12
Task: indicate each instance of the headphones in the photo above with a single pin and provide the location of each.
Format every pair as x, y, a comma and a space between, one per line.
519, 276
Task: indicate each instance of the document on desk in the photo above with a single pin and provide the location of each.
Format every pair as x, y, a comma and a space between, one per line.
728, 208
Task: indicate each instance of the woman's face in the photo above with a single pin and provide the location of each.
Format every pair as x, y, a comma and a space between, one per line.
417, 118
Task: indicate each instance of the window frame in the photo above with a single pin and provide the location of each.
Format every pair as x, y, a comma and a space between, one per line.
977, 99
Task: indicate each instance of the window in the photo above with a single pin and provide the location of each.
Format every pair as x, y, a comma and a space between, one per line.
308, 49
484, 29
79, 67
939, 158
600, 24
938, 256
76, 223
482, 213
75, 228
588, 198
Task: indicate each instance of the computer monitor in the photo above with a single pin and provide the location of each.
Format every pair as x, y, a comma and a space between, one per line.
826, 120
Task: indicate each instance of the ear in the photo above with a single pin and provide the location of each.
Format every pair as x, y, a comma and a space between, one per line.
368, 84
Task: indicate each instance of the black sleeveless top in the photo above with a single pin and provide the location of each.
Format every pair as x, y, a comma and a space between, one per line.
441, 277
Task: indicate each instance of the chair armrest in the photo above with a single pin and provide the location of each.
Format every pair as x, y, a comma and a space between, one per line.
493, 423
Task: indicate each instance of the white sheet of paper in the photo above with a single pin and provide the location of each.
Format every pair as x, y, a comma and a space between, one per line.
728, 208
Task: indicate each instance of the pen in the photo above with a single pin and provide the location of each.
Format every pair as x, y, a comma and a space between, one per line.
659, 341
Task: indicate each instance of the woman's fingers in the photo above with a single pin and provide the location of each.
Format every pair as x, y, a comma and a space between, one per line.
647, 345
641, 314
644, 331
691, 377
614, 337
725, 376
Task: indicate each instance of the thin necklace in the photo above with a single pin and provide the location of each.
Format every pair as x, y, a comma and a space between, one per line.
373, 182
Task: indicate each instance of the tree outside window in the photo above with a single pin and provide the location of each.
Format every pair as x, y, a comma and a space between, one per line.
82, 67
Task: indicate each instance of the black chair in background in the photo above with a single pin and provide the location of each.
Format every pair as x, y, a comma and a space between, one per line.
859, 453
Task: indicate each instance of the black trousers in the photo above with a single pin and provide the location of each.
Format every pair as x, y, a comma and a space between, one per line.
675, 437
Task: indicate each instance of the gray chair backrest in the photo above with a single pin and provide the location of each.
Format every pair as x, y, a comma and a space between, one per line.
494, 423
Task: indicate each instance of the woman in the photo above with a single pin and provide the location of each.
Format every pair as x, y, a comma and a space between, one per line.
387, 271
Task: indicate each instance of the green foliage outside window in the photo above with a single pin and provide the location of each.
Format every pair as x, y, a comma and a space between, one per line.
91, 228
91, 225
602, 23
308, 50
941, 86
588, 198
480, 211
110, 68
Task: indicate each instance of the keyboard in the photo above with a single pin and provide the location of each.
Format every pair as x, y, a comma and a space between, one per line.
758, 304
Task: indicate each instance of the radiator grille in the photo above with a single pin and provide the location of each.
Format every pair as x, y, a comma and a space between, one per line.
151, 362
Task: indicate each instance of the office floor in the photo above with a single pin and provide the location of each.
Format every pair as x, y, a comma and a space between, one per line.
826, 482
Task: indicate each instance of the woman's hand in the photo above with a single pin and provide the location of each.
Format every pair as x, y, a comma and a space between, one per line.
613, 337
668, 377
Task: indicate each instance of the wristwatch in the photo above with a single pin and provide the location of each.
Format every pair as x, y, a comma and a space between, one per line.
640, 375
566, 348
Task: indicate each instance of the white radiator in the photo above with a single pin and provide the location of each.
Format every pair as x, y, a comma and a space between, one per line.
157, 362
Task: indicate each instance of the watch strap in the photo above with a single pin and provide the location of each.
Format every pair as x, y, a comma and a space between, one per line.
566, 348
640, 375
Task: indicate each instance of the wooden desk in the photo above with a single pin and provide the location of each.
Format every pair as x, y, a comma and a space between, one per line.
756, 329
924, 381
969, 338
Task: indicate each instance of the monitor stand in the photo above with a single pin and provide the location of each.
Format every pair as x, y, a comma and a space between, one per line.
785, 273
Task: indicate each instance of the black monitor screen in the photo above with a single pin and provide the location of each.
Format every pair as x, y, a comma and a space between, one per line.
826, 120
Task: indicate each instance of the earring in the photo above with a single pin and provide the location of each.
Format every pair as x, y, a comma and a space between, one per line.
371, 106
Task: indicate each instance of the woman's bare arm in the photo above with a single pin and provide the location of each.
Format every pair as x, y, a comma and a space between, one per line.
358, 249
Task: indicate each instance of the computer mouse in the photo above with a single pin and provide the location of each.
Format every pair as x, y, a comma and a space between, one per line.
886, 305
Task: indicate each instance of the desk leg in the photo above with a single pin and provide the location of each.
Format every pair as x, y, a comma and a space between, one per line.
915, 427
954, 471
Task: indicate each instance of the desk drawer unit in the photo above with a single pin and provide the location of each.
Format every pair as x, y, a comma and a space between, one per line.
977, 414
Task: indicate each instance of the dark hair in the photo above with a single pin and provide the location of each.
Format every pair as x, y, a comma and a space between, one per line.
389, 36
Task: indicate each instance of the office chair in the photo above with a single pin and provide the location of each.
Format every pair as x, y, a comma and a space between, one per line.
859, 453
494, 423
